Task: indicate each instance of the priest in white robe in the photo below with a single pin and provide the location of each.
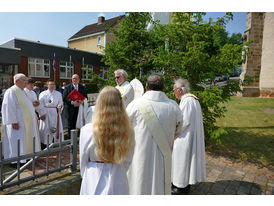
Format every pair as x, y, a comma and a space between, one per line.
188, 158
52, 102
150, 171
19, 120
124, 86
33, 98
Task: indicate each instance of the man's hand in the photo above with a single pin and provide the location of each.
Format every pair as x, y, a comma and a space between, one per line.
76, 103
36, 103
15, 126
59, 108
43, 117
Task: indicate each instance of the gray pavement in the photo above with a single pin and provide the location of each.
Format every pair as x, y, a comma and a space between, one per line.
228, 177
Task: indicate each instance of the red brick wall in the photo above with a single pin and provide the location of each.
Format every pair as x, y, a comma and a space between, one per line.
23, 68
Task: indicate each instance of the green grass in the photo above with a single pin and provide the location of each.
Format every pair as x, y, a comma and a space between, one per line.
250, 131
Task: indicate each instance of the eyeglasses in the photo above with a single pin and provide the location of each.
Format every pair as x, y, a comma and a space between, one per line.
176, 89
117, 77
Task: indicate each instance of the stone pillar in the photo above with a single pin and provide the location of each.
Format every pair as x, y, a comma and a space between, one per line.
267, 63
252, 65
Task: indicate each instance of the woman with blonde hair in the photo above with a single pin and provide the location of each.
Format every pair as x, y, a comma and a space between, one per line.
106, 147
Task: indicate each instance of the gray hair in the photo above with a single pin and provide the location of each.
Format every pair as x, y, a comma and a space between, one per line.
123, 72
17, 77
184, 84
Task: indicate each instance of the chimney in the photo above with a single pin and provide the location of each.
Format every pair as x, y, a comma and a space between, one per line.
101, 19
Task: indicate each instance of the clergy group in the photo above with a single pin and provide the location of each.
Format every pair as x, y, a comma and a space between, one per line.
145, 145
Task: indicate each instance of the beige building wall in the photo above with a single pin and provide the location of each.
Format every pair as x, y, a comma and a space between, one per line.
252, 65
89, 44
267, 64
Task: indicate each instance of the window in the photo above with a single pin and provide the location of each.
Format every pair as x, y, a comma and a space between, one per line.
103, 72
66, 70
38, 67
86, 70
99, 40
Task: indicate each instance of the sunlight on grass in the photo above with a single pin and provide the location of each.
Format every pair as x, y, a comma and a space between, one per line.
250, 131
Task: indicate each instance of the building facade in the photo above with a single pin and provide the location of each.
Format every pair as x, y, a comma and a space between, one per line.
35, 60
94, 37
259, 64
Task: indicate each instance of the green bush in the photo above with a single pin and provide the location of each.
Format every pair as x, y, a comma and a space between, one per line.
92, 87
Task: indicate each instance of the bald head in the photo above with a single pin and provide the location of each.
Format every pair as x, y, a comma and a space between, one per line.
155, 82
75, 79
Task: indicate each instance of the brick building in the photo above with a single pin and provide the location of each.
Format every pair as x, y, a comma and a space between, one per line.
35, 60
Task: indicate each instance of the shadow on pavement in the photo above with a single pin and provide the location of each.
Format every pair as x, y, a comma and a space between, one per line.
227, 187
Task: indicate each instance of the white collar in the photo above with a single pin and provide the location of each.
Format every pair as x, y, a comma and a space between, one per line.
124, 84
155, 96
188, 95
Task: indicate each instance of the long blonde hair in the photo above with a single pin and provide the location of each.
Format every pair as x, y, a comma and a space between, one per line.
113, 134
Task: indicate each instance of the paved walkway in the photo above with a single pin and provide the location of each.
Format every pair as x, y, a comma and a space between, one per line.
227, 177
224, 177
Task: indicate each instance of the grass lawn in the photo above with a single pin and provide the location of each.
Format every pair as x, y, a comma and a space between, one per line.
250, 126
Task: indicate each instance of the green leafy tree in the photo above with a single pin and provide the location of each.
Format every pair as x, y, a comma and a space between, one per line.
130, 46
189, 47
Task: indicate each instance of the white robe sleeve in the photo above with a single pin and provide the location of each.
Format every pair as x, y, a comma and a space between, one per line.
9, 108
187, 111
128, 96
85, 141
60, 101
180, 125
41, 108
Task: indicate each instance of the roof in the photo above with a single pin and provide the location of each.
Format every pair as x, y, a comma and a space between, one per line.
41, 50
9, 55
96, 28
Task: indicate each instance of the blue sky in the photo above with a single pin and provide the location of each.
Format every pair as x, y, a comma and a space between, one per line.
57, 27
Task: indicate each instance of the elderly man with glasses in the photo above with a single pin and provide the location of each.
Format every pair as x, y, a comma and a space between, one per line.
19, 120
72, 107
188, 157
124, 86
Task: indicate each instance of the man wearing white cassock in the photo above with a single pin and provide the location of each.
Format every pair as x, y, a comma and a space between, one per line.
188, 157
33, 98
52, 102
124, 86
157, 121
19, 120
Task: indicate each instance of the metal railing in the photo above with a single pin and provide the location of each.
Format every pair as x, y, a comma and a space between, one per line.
57, 147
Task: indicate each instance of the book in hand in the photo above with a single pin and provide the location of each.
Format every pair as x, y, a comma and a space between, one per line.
75, 95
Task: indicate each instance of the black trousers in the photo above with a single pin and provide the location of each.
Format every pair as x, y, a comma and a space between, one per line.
72, 118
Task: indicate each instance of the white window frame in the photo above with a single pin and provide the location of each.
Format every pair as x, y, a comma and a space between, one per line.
104, 71
34, 61
67, 66
86, 72
99, 40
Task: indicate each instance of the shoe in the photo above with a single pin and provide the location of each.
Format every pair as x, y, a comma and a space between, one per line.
14, 165
180, 191
43, 146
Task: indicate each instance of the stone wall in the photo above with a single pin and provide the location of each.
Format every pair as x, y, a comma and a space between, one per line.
252, 65
259, 64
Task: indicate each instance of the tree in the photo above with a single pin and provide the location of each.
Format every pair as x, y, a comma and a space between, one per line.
188, 47
130, 46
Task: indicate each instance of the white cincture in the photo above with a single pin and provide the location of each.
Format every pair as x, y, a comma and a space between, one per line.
160, 137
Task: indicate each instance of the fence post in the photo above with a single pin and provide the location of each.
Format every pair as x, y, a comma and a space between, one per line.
73, 154
1, 180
